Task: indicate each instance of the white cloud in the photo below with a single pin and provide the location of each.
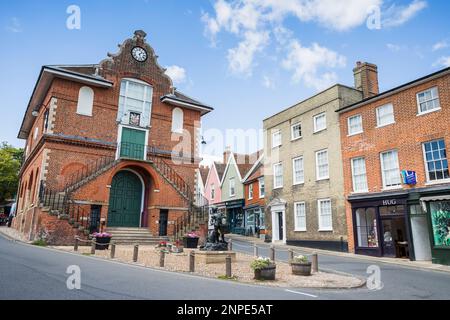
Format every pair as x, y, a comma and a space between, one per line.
14, 25
440, 45
241, 58
177, 74
398, 15
442, 62
393, 47
268, 82
305, 63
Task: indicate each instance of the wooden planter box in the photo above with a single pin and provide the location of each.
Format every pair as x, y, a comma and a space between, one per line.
266, 273
301, 269
190, 243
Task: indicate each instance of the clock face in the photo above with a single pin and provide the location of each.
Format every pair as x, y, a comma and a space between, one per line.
139, 54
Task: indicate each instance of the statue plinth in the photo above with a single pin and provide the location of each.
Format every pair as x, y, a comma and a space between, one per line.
214, 257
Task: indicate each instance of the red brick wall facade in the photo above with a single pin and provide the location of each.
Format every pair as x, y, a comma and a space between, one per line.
406, 135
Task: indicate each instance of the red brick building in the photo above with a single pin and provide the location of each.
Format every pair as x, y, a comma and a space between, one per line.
108, 145
397, 182
254, 192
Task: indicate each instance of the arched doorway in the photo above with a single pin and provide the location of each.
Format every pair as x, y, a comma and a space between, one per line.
125, 200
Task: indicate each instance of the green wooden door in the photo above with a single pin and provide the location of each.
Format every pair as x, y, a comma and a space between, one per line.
125, 200
132, 144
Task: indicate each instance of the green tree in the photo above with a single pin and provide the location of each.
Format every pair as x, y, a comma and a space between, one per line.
10, 162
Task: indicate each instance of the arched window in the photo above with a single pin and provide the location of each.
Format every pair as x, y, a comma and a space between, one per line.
135, 103
85, 101
177, 120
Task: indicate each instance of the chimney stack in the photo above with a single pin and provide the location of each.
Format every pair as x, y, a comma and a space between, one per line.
226, 154
366, 79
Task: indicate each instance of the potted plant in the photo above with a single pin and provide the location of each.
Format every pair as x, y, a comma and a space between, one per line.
301, 266
102, 240
190, 240
264, 269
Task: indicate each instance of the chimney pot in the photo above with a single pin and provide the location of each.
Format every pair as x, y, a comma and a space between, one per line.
366, 78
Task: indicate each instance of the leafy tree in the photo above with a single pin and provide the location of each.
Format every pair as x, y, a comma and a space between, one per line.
10, 162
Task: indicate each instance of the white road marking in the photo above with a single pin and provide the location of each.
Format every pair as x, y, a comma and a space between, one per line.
302, 293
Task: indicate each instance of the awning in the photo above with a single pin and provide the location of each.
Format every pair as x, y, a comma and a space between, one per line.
436, 198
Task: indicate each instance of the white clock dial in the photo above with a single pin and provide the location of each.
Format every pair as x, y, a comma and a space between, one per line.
139, 54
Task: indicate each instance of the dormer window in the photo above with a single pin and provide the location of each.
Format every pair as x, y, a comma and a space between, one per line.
135, 103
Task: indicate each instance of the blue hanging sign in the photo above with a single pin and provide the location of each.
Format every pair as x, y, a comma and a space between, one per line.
409, 177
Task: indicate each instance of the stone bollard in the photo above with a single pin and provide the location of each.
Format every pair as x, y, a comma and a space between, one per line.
291, 255
93, 246
135, 253
228, 266
75, 247
192, 261
272, 253
230, 245
255, 250
314, 262
162, 257
113, 250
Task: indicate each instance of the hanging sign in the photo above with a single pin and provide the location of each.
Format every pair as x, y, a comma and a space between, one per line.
409, 177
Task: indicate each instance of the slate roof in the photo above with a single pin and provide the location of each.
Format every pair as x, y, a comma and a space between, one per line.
220, 167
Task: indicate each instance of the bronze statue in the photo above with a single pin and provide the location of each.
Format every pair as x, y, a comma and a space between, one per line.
216, 239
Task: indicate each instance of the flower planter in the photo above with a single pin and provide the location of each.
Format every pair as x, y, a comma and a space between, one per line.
301, 269
267, 273
190, 243
102, 243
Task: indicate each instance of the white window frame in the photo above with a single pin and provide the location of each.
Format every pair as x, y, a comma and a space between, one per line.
319, 207
378, 117
317, 165
125, 97
85, 103
297, 226
232, 187
349, 127
36, 133
398, 186
420, 112
250, 191
427, 173
295, 182
353, 175
293, 138
274, 145
262, 194
323, 114
275, 186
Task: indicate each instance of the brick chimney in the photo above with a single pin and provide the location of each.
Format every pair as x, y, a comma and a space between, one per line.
366, 79
226, 155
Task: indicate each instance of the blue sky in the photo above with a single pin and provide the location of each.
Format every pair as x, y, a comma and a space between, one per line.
248, 59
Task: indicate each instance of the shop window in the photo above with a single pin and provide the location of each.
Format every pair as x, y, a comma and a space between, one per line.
440, 219
366, 228
392, 210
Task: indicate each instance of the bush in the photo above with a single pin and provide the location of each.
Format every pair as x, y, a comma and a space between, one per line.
260, 263
301, 259
40, 243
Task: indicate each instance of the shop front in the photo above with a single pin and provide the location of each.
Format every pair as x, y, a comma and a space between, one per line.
254, 221
380, 225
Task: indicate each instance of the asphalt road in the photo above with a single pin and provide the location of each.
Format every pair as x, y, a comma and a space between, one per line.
28, 272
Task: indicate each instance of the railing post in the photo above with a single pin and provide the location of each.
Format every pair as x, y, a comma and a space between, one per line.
228, 266
272, 253
192, 261
230, 245
135, 253
255, 250
315, 262
94, 240
75, 247
162, 256
113, 250
291, 255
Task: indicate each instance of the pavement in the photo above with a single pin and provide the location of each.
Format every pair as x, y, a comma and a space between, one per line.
421, 265
30, 272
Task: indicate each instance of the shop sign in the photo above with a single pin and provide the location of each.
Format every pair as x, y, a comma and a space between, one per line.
409, 177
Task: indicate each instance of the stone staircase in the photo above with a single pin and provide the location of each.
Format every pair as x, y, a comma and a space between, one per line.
141, 236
